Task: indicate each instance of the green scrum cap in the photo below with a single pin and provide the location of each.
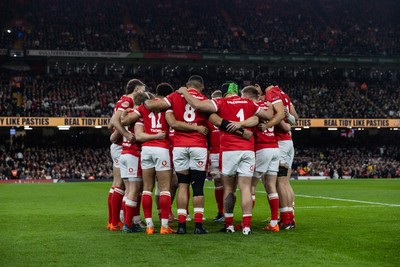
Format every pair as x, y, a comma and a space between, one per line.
229, 88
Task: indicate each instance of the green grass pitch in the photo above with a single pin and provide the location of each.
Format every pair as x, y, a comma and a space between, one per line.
339, 223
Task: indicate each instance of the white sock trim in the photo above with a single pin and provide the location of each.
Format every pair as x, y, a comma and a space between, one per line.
165, 193
273, 196
228, 215
119, 191
130, 203
182, 212
198, 210
284, 209
147, 193
247, 215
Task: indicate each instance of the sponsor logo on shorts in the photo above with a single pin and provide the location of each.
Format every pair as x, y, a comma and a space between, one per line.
200, 163
164, 163
252, 168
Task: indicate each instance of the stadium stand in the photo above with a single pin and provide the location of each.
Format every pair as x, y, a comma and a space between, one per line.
320, 27
94, 95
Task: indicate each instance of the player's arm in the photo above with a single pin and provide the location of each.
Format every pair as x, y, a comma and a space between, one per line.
291, 115
279, 114
285, 126
142, 137
156, 106
114, 137
248, 123
129, 118
221, 124
182, 126
116, 122
110, 127
207, 106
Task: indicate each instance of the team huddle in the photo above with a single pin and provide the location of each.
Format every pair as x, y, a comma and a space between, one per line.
168, 142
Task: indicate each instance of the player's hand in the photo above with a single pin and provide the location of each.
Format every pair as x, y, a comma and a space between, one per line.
286, 112
269, 104
181, 90
262, 127
247, 134
160, 135
203, 130
130, 137
233, 126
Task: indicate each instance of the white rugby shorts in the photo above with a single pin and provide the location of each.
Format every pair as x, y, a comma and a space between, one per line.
155, 157
130, 167
267, 161
240, 162
193, 158
286, 149
115, 151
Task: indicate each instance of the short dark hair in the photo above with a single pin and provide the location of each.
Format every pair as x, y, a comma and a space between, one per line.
251, 92
216, 93
139, 98
131, 85
196, 81
164, 89
264, 80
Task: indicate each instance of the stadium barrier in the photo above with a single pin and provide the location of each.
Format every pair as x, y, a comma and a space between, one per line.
104, 121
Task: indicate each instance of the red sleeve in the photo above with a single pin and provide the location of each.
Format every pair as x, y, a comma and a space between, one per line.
272, 96
256, 108
170, 98
218, 102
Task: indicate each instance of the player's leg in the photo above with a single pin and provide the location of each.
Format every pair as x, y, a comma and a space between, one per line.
148, 173
229, 182
289, 186
218, 187
270, 184
181, 164
197, 166
147, 198
254, 183
172, 190
229, 164
164, 177
164, 182
282, 186
132, 207
245, 173
115, 196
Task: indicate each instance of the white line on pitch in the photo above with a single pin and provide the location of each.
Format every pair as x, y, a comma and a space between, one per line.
336, 207
351, 200
338, 199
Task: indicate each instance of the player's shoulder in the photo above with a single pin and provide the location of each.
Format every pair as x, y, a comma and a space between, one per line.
125, 101
197, 94
261, 104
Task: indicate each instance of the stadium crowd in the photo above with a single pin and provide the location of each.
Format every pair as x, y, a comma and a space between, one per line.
60, 162
94, 95
274, 27
348, 160
26, 161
